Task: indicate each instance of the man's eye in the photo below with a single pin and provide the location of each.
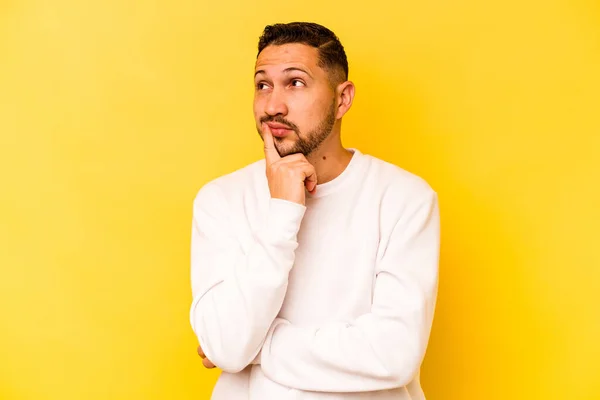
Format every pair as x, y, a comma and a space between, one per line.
297, 82
261, 86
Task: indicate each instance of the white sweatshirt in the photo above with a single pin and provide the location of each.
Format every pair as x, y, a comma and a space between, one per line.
332, 300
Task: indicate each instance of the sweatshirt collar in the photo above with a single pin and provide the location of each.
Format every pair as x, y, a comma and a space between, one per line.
334, 184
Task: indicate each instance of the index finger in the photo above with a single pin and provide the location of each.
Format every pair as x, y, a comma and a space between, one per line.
271, 154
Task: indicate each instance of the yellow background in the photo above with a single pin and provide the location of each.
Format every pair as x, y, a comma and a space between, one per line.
114, 113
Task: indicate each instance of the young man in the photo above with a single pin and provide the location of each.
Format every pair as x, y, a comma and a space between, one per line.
314, 270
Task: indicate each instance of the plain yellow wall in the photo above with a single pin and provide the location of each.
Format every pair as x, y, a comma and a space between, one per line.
113, 114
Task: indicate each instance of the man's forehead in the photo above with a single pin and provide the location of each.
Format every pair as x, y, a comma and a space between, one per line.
279, 57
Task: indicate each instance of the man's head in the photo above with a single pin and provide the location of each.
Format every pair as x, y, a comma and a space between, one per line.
301, 85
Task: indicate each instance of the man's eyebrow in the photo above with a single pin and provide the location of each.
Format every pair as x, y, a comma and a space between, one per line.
287, 70
290, 69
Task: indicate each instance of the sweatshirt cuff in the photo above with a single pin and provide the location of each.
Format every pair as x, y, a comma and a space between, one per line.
269, 336
284, 219
266, 349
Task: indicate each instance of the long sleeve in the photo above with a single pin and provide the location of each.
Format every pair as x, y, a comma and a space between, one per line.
382, 349
237, 294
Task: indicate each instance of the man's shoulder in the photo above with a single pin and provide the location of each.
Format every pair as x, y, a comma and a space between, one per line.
397, 181
233, 183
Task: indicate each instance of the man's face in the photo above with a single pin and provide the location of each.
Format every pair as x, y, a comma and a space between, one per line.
293, 98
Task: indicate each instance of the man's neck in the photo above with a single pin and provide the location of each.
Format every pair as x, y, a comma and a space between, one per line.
330, 160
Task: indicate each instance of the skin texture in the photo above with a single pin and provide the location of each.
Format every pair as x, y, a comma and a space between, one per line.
298, 107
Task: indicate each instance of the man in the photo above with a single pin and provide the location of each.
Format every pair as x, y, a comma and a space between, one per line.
314, 270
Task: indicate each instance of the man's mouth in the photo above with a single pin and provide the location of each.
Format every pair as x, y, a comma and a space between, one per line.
279, 130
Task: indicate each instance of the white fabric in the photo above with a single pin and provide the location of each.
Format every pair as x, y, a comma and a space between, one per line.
332, 300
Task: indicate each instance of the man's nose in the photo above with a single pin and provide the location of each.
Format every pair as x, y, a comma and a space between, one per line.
276, 103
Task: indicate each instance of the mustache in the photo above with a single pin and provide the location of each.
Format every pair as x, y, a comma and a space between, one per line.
280, 120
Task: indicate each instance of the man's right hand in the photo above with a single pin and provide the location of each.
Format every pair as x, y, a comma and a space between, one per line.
289, 175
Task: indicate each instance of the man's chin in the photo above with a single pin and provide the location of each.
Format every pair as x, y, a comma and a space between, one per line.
291, 152
285, 149
285, 152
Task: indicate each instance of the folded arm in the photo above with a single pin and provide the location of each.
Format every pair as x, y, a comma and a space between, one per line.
382, 349
237, 294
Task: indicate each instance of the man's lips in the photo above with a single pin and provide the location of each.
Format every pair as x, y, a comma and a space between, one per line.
279, 130
274, 125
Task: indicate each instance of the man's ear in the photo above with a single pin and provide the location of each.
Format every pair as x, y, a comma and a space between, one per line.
345, 97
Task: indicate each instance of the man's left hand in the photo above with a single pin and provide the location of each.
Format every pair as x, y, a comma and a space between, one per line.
205, 361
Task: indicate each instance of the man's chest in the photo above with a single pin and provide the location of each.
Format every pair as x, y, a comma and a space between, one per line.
335, 262
334, 270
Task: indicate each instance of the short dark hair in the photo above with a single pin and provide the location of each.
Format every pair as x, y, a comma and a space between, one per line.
332, 56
